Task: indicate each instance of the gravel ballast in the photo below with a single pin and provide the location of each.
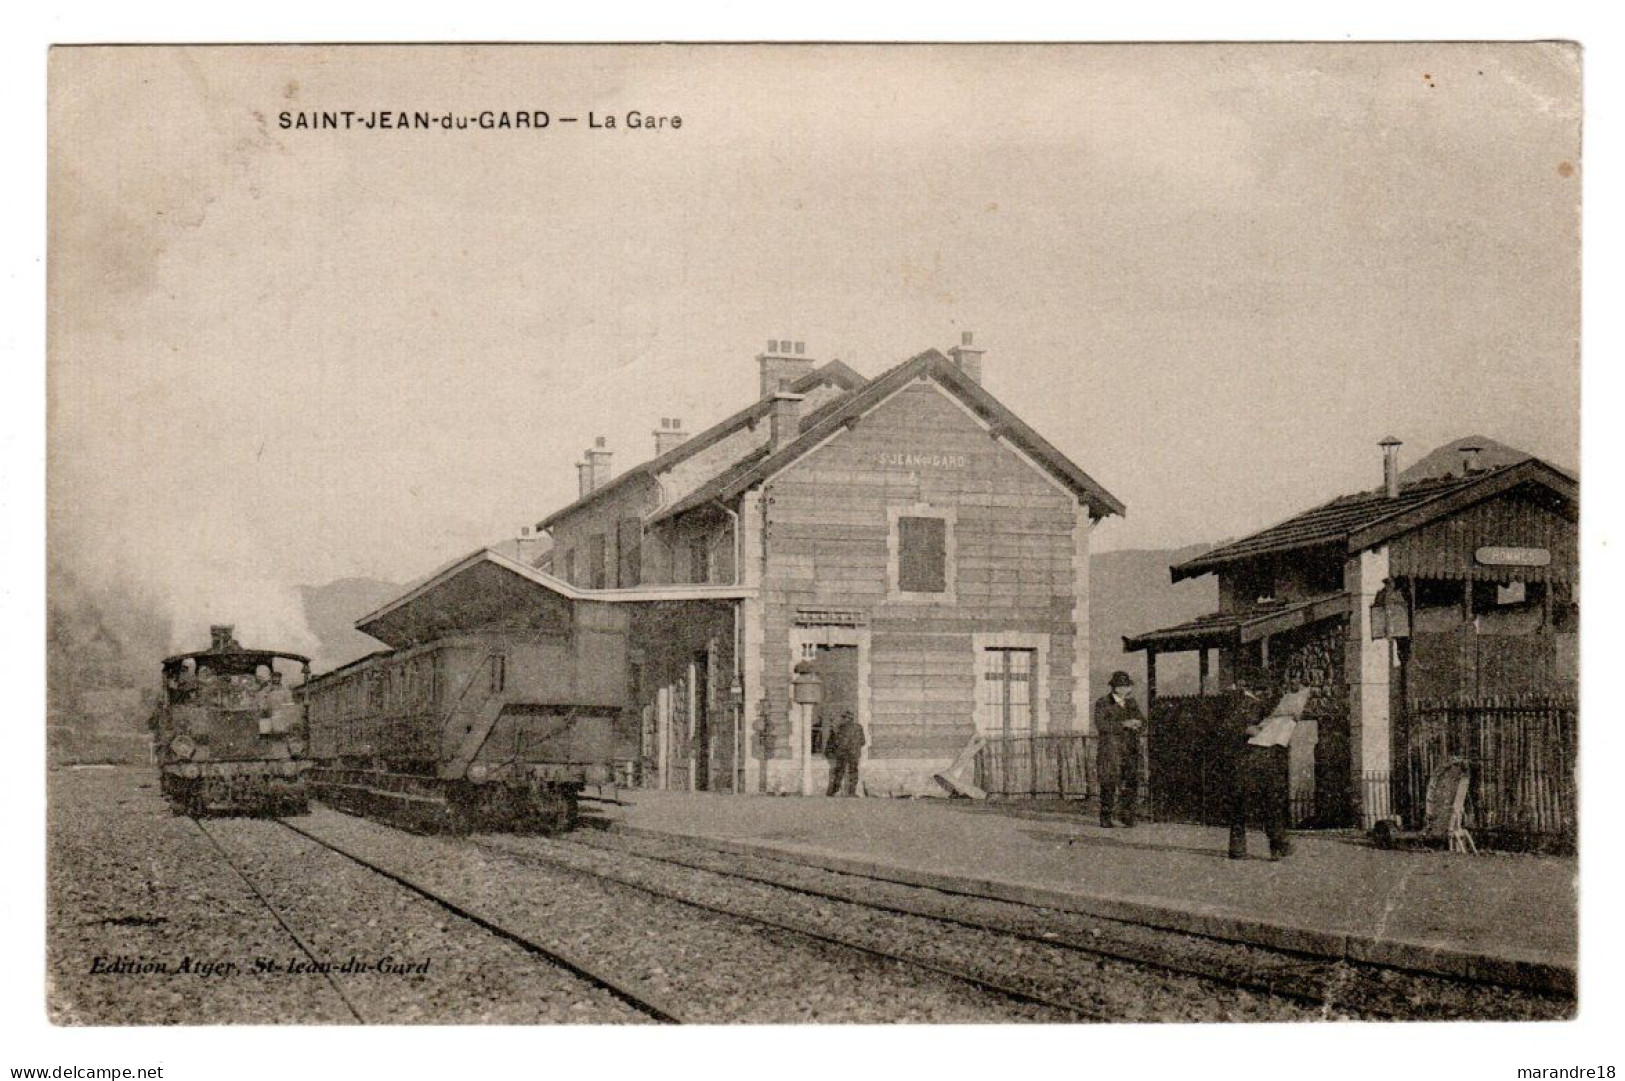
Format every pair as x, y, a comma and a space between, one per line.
131, 883
719, 969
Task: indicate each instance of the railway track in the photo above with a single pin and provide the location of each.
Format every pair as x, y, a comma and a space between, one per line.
281, 919
1337, 987
629, 991
1001, 987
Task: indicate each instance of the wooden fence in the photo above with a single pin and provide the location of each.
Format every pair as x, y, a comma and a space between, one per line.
1060, 766
1522, 752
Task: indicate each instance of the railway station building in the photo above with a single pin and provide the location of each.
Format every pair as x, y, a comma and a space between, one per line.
905, 542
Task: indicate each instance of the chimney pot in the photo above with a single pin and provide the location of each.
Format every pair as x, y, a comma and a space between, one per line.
967, 358
670, 434
784, 362
1470, 461
593, 473
1390, 466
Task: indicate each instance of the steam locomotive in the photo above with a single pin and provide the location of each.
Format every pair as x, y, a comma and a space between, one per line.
229, 732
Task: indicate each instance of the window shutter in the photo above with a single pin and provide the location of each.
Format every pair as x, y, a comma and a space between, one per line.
922, 563
629, 547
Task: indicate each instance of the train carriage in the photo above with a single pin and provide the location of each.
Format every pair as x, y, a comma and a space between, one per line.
501, 701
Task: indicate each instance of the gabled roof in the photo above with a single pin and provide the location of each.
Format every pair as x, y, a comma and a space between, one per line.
1353, 523
844, 411
834, 373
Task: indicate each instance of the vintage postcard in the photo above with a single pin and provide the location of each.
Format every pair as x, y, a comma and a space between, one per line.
721, 534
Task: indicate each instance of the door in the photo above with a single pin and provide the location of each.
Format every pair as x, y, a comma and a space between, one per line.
837, 666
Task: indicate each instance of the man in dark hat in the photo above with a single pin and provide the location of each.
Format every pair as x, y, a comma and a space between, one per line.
845, 751
1258, 794
1118, 722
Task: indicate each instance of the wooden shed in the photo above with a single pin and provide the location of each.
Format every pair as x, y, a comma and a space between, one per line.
1457, 592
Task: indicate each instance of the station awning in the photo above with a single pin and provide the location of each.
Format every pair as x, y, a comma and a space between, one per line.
487, 589
1237, 628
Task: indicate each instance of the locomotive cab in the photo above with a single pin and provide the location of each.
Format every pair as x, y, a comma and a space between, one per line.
230, 734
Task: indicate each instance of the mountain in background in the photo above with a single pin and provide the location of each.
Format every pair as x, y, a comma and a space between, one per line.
331, 611
1447, 460
1130, 593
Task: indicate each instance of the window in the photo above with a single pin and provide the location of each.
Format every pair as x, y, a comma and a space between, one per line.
499, 673
920, 556
570, 566
1007, 680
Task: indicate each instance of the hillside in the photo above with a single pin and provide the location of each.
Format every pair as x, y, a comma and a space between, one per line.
1447, 460
331, 611
1130, 593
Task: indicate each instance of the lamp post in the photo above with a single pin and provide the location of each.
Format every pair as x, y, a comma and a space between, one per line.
736, 702
806, 691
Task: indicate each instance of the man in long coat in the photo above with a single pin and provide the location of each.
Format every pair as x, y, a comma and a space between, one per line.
845, 751
1258, 793
1118, 723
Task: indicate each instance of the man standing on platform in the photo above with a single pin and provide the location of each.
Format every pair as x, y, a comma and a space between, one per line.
845, 751
1117, 725
1258, 795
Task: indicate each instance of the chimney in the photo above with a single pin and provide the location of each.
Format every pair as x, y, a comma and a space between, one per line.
967, 358
786, 419
669, 434
525, 544
1390, 466
593, 472
1470, 462
783, 363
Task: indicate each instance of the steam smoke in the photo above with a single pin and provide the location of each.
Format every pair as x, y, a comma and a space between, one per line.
200, 570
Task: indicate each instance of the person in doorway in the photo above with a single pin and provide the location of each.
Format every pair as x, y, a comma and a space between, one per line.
1118, 723
844, 748
1258, 793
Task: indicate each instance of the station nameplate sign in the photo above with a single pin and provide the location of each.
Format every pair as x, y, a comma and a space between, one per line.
1495, 556
923, 460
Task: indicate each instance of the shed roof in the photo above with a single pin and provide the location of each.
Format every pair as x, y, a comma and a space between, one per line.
1359, 521
1234, 628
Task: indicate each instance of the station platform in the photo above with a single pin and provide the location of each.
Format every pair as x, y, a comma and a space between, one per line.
1502, 918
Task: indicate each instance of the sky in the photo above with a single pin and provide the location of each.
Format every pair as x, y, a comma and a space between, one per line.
1215, 276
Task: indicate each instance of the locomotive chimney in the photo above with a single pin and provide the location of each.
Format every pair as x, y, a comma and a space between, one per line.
1390, 466
669, 434
967, 358
783, 363
786, 419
